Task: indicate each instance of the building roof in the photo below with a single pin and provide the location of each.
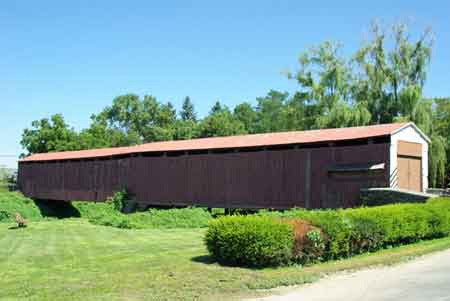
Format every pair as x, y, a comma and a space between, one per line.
243, 141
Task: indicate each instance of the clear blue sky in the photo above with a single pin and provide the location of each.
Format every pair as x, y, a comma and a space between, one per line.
73, 58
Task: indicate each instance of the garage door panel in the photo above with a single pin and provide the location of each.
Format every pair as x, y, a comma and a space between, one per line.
409, 173
402, 173
415, 167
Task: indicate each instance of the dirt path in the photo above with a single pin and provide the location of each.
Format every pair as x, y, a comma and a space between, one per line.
426, 278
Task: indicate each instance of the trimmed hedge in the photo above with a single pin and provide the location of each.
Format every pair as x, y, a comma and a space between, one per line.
358, 230
342, 233
253, 241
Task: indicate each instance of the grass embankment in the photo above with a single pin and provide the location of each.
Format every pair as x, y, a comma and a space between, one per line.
74, 260
13, 202
100, 213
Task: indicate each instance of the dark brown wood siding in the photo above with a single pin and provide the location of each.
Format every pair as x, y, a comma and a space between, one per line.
259, 179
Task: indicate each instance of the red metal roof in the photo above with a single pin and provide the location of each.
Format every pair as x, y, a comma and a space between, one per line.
255, 140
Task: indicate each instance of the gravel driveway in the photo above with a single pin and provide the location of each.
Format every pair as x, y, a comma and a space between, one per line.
426, 278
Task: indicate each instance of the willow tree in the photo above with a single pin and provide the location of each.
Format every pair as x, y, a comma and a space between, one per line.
441, 125
381, 83
326, 78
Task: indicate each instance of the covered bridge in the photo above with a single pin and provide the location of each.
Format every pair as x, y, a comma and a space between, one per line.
311, 169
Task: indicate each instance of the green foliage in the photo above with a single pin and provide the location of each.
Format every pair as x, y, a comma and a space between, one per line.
101, 134
49, 135
245, 113
314, 249
441, 126
185, 129
391, 78
188, 111
250, 241
105, 213
178, 218
119, 199
217, 108
358, 230
316, 237
154, 218
13, 202
438, 161
221, 123
271, 112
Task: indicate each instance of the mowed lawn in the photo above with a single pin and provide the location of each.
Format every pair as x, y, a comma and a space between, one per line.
74, 260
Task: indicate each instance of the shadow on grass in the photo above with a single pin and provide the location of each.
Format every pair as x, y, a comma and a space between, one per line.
16, 228
206, 259
58, 209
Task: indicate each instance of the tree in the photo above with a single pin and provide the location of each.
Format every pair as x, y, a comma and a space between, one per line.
379, 84
49, 135
143, 120
441, 124
128, 114
99, 135
437, 161
185, 129
221, 124
216, 108
391, 82
300, 115
271, 112
391, 79
162, 128
245, 113
326, 82
187, 111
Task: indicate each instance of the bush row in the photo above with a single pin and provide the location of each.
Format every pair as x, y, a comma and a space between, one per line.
317, 235
153, 218
110, 214
250, 240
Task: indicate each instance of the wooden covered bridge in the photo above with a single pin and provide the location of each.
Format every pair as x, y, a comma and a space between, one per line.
311, 169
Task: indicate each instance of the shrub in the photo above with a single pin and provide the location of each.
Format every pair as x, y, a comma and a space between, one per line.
325, 234
179, 217
309, 242
250, 241
359, 230
118, 200
105, 214
332, 222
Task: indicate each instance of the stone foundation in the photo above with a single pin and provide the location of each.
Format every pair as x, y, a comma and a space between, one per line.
383, 196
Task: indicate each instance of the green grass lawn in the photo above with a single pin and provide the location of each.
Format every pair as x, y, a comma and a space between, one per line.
3, 187
72, 259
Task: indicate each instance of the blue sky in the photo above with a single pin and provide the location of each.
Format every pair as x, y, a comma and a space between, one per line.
73, 58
